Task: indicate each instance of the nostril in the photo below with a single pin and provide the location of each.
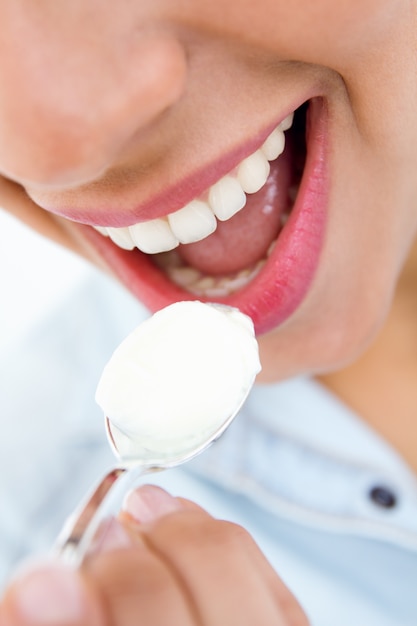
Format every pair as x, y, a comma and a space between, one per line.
75, 120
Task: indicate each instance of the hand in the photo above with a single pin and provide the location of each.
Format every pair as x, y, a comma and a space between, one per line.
164, 562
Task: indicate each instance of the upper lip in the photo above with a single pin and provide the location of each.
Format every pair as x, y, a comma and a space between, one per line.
172, 198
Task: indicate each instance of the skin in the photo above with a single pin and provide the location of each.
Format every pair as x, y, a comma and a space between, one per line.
150, 565
58, 151
84, 121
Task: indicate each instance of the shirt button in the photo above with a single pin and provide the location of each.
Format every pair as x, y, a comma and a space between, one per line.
383, 497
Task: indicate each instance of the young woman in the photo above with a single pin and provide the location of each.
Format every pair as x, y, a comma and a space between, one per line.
261, 154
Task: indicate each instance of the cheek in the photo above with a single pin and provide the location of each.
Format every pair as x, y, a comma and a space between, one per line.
344, 311
324, 32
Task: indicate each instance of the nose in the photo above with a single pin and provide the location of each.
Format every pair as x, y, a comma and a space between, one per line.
70, 106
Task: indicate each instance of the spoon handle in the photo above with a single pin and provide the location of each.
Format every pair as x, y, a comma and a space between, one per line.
80, 528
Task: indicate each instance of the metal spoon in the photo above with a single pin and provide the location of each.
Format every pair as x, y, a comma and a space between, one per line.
206, 359
77, 534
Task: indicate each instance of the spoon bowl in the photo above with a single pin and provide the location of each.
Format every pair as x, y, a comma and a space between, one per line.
132, 452
163, 411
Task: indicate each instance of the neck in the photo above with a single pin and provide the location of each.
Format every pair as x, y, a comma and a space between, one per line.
381, 385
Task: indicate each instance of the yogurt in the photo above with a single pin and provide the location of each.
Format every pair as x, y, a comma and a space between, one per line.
178, 377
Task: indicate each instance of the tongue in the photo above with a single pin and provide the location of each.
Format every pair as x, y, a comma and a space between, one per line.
244, 239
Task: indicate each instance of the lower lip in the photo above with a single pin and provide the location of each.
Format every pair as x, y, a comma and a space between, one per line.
278, 290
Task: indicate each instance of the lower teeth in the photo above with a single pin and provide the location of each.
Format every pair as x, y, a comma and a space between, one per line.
203, 285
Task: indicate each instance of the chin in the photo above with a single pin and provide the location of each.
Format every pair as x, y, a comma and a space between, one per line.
325, 334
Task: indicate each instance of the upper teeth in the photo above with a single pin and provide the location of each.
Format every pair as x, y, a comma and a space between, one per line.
198, 219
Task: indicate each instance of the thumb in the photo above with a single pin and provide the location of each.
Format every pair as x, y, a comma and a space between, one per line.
50, 594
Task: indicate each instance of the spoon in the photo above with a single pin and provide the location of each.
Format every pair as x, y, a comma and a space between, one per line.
78, 533
138, 454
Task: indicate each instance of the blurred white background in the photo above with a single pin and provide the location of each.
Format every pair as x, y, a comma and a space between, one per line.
35, 274
60, 320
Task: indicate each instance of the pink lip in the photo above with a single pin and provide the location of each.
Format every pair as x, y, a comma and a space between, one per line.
171, 199
282, 284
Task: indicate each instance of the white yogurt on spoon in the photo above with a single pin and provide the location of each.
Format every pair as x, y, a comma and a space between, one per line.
170, 389
176, 378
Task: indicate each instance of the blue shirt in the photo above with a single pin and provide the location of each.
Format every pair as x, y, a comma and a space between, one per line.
330, 503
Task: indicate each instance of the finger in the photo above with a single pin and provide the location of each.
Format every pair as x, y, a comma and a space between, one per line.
51, 593
283, 597
112, 534
148, 502
135, 583
137, 587
225, 575
280, 593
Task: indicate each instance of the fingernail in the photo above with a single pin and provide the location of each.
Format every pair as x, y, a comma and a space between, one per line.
149, 503
49, 595
110, 536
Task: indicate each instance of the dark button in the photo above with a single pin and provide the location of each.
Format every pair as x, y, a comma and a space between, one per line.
383, 497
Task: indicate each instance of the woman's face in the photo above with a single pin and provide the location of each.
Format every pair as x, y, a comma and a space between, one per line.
162, 121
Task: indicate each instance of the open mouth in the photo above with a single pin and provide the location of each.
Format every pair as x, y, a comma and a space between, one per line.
251, 240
